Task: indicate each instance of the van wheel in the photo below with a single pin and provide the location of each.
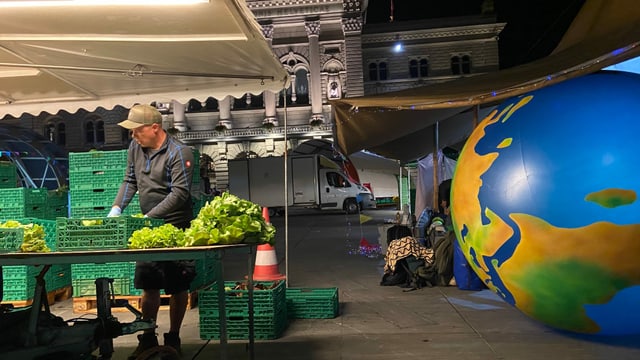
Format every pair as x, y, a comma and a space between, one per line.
350, 206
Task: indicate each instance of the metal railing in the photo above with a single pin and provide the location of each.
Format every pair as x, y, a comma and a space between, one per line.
253, 133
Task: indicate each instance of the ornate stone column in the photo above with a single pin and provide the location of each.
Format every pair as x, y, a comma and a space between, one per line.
179, 121
269, 98
352, 28
224, 107
315, 84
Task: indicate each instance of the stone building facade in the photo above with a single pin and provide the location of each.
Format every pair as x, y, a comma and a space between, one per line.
329, 52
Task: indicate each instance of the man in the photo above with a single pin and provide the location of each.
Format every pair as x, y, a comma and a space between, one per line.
160, 170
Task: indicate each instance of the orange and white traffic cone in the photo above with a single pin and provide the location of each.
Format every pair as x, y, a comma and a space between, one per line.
266, 267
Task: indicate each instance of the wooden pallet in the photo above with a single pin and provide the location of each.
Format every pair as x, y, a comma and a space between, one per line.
53, 296
87, 304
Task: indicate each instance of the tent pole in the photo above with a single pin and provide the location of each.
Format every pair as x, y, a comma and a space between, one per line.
436, 147
400, 199
286, 195
476, 112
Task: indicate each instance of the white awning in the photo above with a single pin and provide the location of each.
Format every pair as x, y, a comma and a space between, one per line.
69, 57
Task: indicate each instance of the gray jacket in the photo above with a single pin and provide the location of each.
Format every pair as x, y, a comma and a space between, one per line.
162, 179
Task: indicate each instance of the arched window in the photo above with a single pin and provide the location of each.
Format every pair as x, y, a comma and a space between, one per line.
373, 72
50, 131
461, 65
55, 131
89, 132
94, 132
61, 139
382, 70
413, 68
424, 67
302, 87
455, 65
466, 64
100, 132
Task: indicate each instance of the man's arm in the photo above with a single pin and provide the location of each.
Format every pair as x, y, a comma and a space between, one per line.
129, 185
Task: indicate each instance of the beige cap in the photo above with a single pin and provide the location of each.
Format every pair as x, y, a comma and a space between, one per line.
141, 115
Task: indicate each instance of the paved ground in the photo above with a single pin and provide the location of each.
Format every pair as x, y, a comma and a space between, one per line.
378, 322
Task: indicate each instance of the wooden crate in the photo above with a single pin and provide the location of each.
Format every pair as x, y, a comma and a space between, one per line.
53, 296
87, 304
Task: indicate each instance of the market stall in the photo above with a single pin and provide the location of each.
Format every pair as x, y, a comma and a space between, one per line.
38, 340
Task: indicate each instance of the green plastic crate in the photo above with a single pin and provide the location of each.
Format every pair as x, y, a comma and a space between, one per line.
19, 289
268, 301
269, 306
264, 327
58, 277
87, 287
8, 175
49, 227
207, 273
95, 179
99, 232
22, 202
90, 212
94, 271
312, 303
97, 160
93, 197
12, 238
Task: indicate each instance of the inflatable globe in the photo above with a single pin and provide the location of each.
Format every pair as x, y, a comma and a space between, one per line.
545, 203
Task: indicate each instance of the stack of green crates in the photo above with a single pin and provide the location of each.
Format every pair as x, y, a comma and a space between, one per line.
94, 179
8, 175
312, 303
22, 202
19, 282
270, 311
20, 279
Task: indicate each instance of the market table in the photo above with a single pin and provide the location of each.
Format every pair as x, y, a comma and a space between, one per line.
161, 254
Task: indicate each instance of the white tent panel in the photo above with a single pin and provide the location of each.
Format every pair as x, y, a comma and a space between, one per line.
71, 57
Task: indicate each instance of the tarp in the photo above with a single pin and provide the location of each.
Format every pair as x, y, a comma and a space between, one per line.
69, 57
401, 125
424, 182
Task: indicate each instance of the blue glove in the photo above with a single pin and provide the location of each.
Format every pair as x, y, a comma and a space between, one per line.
115, 211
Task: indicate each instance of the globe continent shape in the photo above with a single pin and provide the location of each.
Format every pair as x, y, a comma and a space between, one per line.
544, 203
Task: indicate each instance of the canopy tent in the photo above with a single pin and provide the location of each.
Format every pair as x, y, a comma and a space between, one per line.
402, 125
71, 57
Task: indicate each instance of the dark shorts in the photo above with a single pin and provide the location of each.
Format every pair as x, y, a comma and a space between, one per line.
172, 276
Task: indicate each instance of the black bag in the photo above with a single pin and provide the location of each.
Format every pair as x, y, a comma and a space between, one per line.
398, 232
440, 272
398, 277
404, 274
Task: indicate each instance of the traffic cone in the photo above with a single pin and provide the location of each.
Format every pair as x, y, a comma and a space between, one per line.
266, 267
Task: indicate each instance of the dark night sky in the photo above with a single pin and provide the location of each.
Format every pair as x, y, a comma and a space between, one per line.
533, 27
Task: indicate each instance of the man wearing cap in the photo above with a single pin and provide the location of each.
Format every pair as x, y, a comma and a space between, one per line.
159, 169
